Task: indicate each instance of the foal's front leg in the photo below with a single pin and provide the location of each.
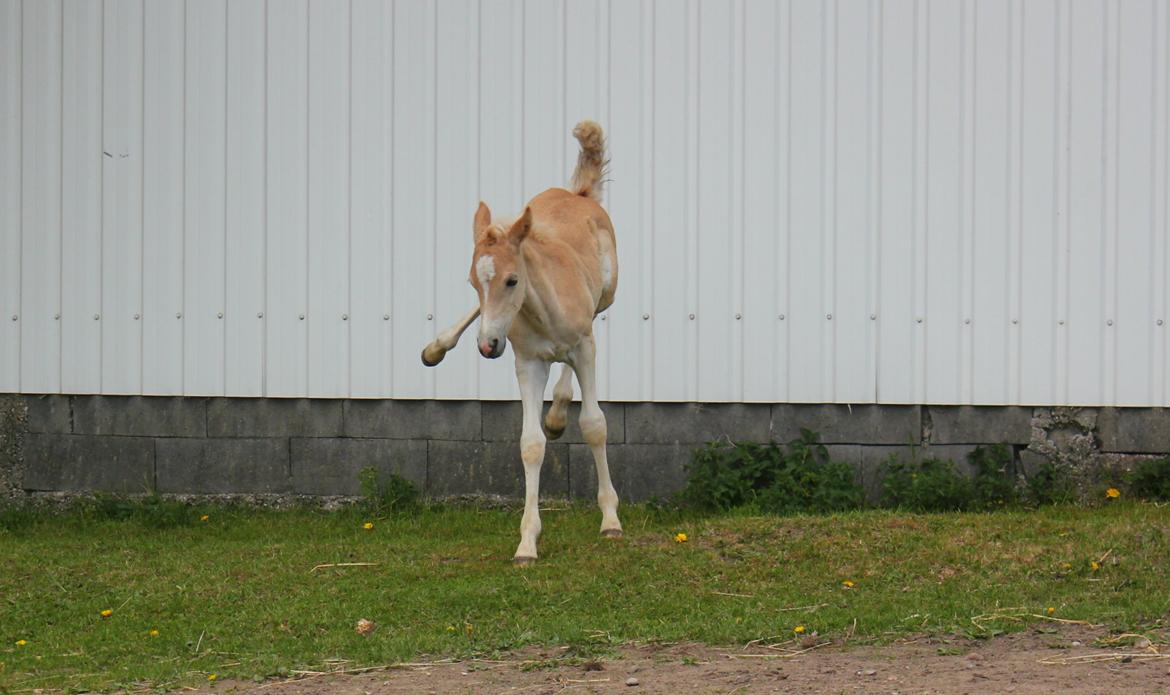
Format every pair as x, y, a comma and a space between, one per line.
532, 375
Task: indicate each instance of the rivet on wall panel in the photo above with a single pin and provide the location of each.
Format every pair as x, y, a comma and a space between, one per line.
97, 317
430, 317
1159, 322
1015, 321
385, 317
345, 317
691, 316
781, 317
301, 317
56, 317
137, 316
179, 315
219, 315
966, 322
1109, 322
603, 317
1060, 322
873, 317
828, 317
645, 317
259, 314
15, 317
918, 320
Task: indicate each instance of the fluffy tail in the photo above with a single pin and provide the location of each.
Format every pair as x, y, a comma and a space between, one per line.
589, 176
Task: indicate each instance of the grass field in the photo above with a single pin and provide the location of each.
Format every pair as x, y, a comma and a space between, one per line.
237, 595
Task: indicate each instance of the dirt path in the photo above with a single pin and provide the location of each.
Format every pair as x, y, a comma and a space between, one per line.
1026, 663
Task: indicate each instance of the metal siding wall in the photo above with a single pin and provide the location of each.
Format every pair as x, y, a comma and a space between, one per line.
849, 201
11, 190
81, 198
246, 214
164, 198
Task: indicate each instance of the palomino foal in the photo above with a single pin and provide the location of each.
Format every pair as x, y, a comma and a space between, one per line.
541, 279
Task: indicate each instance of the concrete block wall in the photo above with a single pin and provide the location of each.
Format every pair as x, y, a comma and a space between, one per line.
310, 447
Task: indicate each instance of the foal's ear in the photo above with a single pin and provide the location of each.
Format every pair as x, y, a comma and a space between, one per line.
483, 219
520, 229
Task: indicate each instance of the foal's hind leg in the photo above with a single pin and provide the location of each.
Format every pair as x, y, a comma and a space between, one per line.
558, 412
594, 429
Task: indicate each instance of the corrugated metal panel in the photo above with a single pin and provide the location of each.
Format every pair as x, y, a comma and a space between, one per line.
849, 201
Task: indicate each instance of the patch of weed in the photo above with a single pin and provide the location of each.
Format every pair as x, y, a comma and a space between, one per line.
1050, 484
151, 511
1150, 480
386, 494
929, 485
994, 484
798, 478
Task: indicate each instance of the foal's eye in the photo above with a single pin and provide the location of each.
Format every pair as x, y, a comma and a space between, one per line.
512, 281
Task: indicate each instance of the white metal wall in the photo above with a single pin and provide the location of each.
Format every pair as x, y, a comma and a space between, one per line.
898, 201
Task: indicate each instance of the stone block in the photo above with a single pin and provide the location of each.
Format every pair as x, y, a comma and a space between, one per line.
974, 424
329, 466
274, 417
1134, 430
843, 424
220, 466
49, 414
639, 471
503, 420
141, 416
407, 419
696, 423
80, 462
492, 468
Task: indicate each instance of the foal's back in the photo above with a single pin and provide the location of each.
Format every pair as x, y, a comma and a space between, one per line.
561, 216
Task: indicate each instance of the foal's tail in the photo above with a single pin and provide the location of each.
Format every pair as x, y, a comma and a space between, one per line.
589, 176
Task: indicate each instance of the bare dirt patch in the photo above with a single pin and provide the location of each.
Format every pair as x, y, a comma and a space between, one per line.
1070, 661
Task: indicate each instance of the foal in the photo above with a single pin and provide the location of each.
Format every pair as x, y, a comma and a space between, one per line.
541, 279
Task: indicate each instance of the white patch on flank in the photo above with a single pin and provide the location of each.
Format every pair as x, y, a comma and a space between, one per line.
606, 272
485, 269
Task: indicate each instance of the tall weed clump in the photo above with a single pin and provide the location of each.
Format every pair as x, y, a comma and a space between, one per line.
799, 477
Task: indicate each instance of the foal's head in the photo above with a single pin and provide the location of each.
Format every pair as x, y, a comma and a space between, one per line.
499, 276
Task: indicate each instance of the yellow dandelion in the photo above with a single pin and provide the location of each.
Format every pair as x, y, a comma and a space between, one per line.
369, 525
154, 633
450, 628
680, 538
847, 584
799, 629
1051, 610
1113, 493
212, 678
1094, 565
205, 518
107, 613
21, 643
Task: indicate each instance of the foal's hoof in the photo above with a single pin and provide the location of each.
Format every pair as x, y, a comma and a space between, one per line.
611, 533
552, 433
432, 355
519, 561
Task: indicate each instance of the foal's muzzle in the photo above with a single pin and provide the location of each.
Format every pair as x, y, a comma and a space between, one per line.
493, 348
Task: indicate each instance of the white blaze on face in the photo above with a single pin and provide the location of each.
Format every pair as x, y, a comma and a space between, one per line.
485, 270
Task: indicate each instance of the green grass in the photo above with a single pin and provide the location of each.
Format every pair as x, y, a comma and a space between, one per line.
235, 596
